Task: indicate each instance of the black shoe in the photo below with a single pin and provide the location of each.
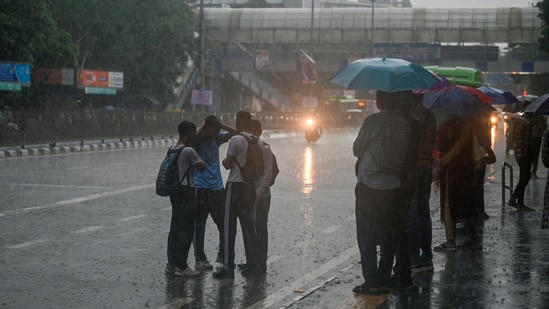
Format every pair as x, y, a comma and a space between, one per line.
513, 203
224, 273
365, 289
242, 266
522, 207
427, 265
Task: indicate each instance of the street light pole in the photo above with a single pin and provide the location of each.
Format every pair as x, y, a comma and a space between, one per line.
201, 49
372, 30
312, 26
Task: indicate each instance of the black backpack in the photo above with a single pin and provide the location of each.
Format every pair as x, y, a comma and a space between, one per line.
275, 167
167, 181
254, 167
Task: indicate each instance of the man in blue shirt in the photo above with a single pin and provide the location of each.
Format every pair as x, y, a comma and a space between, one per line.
209, 185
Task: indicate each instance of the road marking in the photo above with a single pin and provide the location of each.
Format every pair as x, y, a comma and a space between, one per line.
274, 258
130, 218
305, 279
307, 293
331, 229
166, 208
27, 244
54, 186
82, 199
177, 303
88, 229
132, 231
76, 168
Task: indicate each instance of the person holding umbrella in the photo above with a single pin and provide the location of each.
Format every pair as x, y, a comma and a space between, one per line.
386, 151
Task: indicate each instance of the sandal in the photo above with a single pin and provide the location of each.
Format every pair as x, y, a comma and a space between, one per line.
446, 246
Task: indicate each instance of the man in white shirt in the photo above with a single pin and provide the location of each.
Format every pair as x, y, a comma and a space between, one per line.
183, 204
239, 200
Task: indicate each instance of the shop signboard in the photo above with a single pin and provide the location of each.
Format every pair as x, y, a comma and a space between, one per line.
415, 52
54, 77
11, 72
100, 90
202, 97
93, 78
10, 86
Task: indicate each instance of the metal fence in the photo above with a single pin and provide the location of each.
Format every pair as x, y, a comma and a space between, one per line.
59, 126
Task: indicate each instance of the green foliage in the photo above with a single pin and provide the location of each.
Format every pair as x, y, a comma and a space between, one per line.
150, 41
543, 40
30, 33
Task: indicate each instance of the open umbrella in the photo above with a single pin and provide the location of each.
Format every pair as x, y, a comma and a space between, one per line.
539, 106
500, 97
483, 97
455, 101
385, 74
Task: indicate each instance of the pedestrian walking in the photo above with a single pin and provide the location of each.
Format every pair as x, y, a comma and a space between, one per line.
182, 198
545, 160
381, 148
244, 159
539, 125
455, 148
521, 136
210, 191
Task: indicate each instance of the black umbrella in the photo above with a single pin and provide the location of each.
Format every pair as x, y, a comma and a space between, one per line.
539, 106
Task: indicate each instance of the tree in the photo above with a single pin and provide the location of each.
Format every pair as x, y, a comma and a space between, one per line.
150, 41
30, 33
543, 40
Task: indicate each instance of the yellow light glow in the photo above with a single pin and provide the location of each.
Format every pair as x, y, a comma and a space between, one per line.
493, 135
309, 122
308, 172
494, 120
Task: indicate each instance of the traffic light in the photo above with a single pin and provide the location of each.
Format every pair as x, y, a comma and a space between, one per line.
524, 92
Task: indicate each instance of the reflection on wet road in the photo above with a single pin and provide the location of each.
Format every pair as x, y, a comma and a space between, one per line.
106, 247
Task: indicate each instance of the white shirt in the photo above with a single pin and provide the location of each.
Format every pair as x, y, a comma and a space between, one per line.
186, 161
263, 184
238, 149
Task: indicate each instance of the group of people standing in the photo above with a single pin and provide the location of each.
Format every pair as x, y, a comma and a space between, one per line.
201, 193
401, 150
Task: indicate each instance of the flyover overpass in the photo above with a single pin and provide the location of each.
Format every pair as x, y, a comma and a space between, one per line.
352, 25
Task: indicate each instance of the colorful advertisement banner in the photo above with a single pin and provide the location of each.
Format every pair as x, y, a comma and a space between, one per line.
54, 77
262, 61
307, 68
202, 97
92, 78
11, 72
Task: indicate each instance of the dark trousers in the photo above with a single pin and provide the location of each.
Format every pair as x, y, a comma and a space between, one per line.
262, 207
379, 219
420, 232
181, 227
480, 173
525, 165
239, 203
536, 147
209, 202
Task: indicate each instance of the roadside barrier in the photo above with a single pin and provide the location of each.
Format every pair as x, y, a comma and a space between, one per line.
504, 187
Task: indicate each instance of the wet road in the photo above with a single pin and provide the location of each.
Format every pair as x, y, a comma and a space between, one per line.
88, 231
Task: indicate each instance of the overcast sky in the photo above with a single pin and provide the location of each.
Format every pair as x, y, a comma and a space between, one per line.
470, 3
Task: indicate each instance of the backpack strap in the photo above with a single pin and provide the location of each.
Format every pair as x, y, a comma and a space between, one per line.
187, 174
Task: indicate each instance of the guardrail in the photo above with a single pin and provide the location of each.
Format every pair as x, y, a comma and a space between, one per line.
504, 187
60, 126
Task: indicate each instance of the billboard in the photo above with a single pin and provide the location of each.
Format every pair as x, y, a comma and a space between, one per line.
202, 97
54, 77
93, 78
11, 72
414, 52
262, 61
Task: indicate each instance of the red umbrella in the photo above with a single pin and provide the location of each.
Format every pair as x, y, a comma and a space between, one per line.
483, 97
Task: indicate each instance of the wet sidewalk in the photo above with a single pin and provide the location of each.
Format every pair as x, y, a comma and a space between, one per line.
510, 271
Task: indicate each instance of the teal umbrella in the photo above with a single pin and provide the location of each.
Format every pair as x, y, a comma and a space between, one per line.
384, 74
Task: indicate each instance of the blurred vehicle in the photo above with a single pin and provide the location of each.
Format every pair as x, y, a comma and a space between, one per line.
515, 110
313, 131
460, 75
